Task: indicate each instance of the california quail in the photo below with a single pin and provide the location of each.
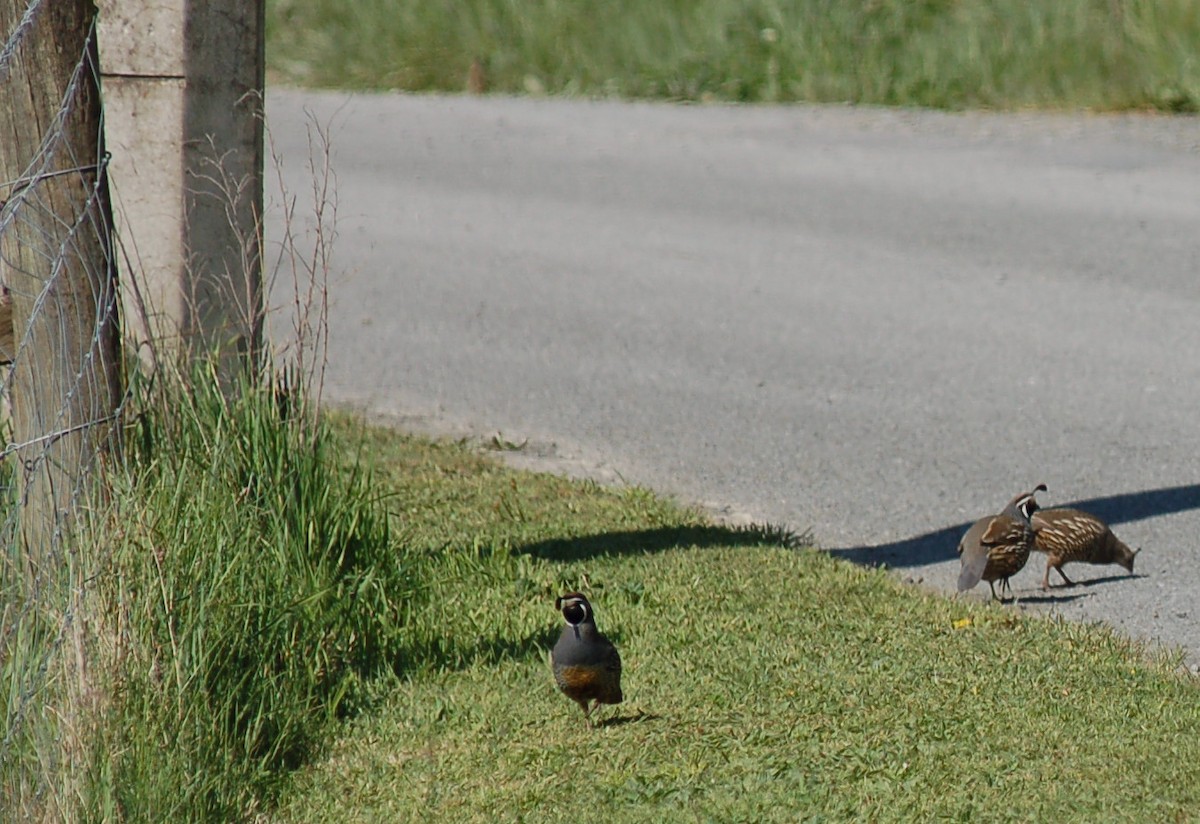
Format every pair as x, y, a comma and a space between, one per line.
586, 664
995, 548
1071, 535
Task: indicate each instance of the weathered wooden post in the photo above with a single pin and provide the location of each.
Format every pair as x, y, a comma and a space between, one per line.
57, 261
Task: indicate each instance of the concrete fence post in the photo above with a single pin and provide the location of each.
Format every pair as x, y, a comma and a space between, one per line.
183, 91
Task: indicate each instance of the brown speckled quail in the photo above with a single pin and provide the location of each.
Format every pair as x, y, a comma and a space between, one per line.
995, 548
587, 667
1067, 535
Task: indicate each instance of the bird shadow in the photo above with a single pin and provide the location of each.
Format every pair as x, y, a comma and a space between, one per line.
1091, 582
942, 544
1042, 597
660, 539
1064, 593
622, 720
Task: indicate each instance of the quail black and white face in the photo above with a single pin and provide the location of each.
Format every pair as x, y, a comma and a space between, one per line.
575, 608
1026, 505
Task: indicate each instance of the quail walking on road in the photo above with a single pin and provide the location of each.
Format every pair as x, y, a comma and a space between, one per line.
1067, 535
995, 548
586, 665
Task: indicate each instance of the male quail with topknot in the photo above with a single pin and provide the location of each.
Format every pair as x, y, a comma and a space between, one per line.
996, 548
1067, 535
587, 667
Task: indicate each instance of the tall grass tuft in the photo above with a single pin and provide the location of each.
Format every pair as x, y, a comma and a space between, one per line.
1099, 54
252, 588
228, 587
47, 698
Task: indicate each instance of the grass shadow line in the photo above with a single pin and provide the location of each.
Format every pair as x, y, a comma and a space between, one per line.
661, 539
443, 654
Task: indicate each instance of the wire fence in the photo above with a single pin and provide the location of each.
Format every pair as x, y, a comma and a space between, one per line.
62, 393
78, 327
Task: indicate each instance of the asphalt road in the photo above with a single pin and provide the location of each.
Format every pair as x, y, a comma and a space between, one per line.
872, 325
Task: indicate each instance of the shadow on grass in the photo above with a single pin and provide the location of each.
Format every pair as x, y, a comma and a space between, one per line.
661, 539
622, 720
942, 544
446, 654
487, 651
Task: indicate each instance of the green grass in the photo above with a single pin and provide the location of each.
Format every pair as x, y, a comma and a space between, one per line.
763, 682
1097, 54
294, 619
249, 589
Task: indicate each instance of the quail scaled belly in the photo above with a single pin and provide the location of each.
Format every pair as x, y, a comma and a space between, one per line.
1067, 535
587, 667
996, 548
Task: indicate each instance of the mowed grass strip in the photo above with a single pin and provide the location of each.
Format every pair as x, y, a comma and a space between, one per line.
763, 681
1097, 54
